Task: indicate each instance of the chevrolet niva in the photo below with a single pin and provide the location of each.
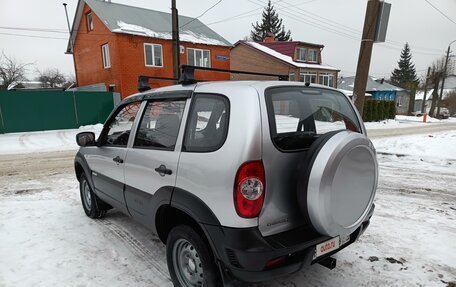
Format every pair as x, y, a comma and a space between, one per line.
242, 180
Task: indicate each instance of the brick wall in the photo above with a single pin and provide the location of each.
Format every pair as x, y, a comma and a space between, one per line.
88, 55
246, 58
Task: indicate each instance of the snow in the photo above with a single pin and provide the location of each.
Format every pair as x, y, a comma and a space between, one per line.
46, 239
42, 141
420, 95
434, 147
286, 58
184, 36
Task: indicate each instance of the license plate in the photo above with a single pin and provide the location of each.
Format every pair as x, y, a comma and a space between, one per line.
327, 246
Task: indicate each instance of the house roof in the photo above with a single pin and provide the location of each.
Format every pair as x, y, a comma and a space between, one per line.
348, 83
288, 47
449, 86
420, 95
284, 57
125, 19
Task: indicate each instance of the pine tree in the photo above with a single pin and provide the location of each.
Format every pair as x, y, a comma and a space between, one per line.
271, 23
405, 76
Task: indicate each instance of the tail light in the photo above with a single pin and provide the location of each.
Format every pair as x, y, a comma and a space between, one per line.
249, 188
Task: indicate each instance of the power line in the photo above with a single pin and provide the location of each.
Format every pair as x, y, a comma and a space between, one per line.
438, 10
35, 29
32, 36
201, 14
335, 28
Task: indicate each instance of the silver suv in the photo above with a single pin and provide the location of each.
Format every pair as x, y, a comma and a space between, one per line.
243, 181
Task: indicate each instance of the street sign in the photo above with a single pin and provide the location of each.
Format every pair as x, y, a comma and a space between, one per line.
382, 22
221, 57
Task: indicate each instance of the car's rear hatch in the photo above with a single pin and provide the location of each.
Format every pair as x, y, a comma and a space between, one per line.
293, 116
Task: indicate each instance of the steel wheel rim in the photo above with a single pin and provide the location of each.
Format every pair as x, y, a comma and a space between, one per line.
87, 197
187, 264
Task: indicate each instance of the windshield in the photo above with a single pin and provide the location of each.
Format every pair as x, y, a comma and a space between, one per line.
298, 115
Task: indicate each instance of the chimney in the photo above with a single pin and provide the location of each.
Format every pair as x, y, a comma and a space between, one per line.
269, 37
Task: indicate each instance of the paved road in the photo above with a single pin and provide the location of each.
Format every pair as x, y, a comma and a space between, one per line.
431, 127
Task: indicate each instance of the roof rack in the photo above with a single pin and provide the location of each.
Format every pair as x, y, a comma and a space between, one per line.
143, 82
188, 76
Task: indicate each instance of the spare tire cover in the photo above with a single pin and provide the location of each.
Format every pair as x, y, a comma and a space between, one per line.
338, 180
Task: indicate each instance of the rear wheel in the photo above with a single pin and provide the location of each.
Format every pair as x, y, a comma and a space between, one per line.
93, 207
190, 261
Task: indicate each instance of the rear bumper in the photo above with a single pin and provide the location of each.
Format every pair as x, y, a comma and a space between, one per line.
244, 252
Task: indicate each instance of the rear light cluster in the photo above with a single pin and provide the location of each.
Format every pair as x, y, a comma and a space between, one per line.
249, 189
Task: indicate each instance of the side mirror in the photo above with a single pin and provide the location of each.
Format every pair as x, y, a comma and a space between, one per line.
85, 139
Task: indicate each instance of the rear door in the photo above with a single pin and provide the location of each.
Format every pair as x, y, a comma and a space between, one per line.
151, 163
107, 160
296, 116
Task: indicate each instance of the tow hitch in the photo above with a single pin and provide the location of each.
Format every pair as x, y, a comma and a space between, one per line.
329, 263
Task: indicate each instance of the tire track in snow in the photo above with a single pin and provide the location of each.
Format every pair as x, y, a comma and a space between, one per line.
138, 249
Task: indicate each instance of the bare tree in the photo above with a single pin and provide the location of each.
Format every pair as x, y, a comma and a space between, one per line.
435, 77
450, 102
11, 71
51, 78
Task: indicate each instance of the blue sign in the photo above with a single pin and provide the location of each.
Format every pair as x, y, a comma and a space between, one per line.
220, 57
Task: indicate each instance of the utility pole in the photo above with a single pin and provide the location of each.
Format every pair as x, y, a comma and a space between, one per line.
444, 74
176, 45
365, 53
425, 90
71, 42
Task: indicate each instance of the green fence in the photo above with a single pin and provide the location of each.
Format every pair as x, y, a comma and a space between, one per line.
22, 111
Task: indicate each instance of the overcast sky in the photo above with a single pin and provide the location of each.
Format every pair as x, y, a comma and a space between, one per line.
335, 24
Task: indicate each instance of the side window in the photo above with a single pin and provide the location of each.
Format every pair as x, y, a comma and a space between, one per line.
160, 124
207, 125
120, 127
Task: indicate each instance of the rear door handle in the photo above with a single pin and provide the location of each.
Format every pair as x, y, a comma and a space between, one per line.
117, 159
162, 170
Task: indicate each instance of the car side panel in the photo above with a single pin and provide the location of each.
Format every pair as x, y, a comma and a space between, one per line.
210, 175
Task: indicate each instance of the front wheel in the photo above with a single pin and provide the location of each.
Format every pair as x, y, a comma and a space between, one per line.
89, 200
190, 261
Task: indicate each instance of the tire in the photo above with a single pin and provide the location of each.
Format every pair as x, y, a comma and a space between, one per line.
90, 202
337, 182
190, 260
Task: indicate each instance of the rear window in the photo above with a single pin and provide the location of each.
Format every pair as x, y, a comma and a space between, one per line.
299, 115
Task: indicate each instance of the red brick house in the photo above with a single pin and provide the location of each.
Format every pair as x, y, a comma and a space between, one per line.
113, 44
300, 60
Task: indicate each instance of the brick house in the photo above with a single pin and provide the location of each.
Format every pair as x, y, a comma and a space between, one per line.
113, 44
300, 60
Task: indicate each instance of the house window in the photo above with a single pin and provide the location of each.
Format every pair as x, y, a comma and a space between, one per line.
307, 77
106, 57
312, 56
291, 77
153, 55
326, 79
89, 21
301, 55
198, 57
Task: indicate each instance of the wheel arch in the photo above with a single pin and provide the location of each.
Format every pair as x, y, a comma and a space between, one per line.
185, 208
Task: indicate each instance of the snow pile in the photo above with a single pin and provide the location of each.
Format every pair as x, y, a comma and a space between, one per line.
420, 119
43, 141
184, 36
432, 146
